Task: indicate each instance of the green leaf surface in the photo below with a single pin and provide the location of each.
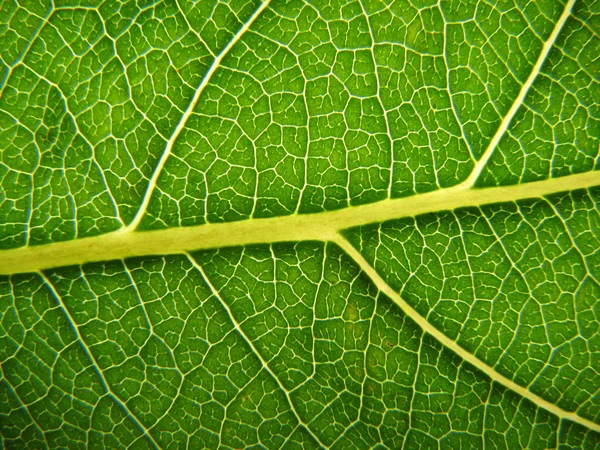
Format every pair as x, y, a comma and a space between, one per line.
289, 224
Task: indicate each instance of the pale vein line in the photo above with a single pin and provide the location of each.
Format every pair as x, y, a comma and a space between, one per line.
292, 228
365, 379
10, 384
469, 182
252, 346
414, 392
452, 345
93, 362
379, 98
572, 234
25, 52
188, 112
24, 407
93, 158
412, 208
450, 94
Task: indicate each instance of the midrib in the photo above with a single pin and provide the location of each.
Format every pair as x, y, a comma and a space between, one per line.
326, 226
127, 243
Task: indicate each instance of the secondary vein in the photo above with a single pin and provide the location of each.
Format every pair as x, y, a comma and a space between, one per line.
242, 333
95, 366
453, 345
186, 115
481, 164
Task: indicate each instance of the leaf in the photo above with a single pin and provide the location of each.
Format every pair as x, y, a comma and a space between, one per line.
299, 225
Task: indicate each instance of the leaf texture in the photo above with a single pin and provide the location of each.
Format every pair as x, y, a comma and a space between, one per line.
289, 224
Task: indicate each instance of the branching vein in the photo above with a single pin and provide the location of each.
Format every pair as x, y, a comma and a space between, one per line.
297, 227
452, 345
95, 364
186, 115
481, 164
253, 347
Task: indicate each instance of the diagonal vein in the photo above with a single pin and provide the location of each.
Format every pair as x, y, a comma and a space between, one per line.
94, 363
26, 50
24, 407
252, 347
452, 345
325, 229
487, 154
186, 115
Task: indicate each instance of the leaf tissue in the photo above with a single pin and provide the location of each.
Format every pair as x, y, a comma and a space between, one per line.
299, 224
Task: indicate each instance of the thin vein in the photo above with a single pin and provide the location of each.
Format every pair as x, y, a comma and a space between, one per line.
24, 406
94, 363
292, 228
186, 115
93, 158
451, 95
379, 99
571, 234
548, 45
26, 50
252, 346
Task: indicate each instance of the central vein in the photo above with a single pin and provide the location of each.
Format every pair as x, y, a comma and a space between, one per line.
320, 226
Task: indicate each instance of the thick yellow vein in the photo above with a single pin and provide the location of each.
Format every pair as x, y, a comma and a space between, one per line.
121, 245
452, 345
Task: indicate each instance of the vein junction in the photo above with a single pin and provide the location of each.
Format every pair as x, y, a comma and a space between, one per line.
453, 345
326, 226
127, 243
322, 227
